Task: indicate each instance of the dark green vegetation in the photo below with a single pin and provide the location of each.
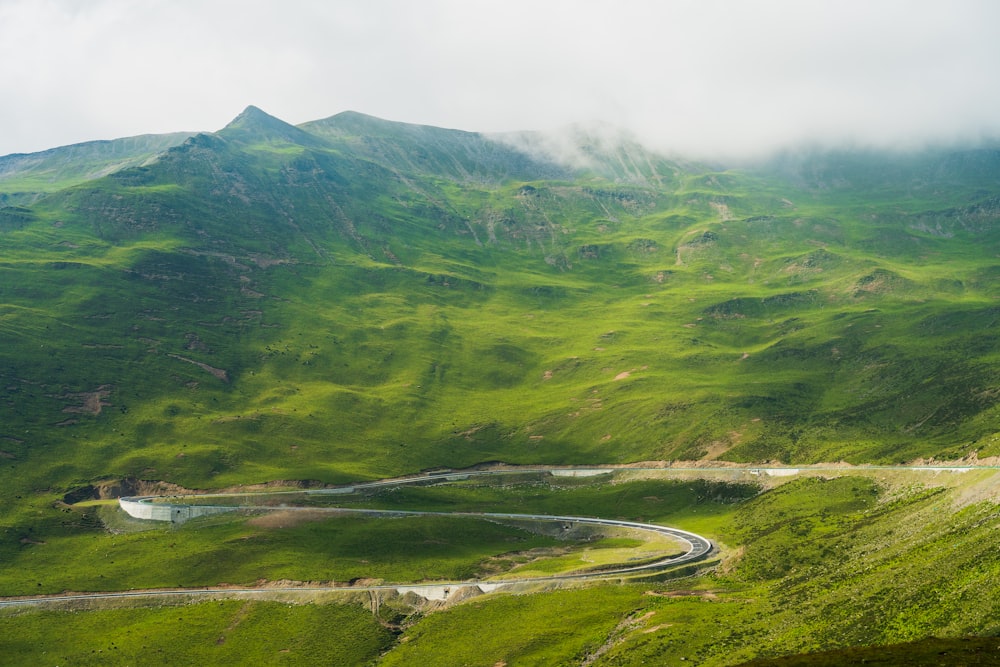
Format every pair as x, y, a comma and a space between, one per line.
964, 652
353, 298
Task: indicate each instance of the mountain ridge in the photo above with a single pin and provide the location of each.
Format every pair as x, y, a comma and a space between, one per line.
578, 146
25, 177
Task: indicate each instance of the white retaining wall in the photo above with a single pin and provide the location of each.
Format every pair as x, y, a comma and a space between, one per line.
143, 508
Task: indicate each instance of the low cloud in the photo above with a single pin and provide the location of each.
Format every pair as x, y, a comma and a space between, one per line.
707, 77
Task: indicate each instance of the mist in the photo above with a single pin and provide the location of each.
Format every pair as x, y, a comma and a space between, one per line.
709, 79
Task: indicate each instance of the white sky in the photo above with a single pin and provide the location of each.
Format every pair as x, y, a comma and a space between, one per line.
695, 76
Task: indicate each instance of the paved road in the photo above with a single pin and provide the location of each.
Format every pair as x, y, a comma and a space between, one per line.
697, 546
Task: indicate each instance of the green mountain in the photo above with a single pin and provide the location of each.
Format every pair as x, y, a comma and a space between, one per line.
354, 298
24, 178
387, 297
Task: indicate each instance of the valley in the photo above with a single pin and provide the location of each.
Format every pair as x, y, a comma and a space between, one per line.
296, 308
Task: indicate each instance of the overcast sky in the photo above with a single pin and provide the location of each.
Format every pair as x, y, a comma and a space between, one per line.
698, 76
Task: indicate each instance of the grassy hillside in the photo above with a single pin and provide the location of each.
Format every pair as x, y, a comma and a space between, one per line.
812, 564
354, 298
25, 178
818, 562
278, 302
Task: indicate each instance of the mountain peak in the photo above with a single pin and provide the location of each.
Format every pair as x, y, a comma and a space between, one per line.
254, 125
253, 114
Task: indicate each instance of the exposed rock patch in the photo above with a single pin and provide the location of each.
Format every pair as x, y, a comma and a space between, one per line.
88, 402
217, 372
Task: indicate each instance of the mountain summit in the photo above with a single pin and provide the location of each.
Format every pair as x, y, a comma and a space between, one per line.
256, 126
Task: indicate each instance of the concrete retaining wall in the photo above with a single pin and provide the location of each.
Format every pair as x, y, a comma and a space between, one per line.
776, 472
445, 591
579, 472
142, 508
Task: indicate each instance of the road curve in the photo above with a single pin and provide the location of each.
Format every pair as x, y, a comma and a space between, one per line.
698, 547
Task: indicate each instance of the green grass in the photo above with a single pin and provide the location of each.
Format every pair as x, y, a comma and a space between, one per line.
817, 562
217, 633
550, 628
96, 549
228, 549
601, 554
24, 178
686, 502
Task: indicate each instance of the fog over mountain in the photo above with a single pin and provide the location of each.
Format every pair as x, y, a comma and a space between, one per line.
710, 78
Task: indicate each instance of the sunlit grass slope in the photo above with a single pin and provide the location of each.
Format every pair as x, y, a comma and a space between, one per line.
819, 562
217, 633
354, 298
812, 565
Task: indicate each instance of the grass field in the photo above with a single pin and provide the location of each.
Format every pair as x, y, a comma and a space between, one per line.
217, 633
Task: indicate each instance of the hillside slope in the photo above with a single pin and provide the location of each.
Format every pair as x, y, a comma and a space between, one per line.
24, 178
355, 298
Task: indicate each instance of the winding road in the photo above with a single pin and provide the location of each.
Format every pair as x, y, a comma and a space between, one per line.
181, 507
174, 508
